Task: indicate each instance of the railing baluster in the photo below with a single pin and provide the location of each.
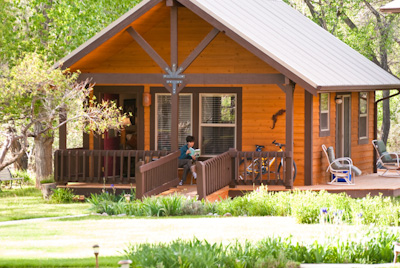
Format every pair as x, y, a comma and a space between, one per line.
69, 165
84, 166
114, 166
98, 166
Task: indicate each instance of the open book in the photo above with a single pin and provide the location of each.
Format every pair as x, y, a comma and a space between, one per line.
195, 152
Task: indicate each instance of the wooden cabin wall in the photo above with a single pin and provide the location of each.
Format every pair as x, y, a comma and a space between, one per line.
320, 163
361, 154
259, 104
121, 54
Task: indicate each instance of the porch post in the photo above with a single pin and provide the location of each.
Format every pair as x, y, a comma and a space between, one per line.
174, 121
308, 138
289, 134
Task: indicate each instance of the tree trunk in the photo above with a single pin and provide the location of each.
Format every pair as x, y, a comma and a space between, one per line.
22, 162
43, 157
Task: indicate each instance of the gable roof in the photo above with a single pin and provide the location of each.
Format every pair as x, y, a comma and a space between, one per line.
392, 7
277, 34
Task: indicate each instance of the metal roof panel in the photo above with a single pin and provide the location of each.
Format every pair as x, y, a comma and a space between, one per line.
297, 43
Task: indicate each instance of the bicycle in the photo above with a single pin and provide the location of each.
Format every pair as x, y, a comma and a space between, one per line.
254, 168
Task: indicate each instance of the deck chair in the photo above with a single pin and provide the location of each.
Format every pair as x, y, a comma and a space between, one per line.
388, 161
342, 168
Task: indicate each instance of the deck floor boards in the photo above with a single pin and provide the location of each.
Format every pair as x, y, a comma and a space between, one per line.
372, 184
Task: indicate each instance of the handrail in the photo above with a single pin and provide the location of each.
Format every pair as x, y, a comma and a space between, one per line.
157, 176
99, 166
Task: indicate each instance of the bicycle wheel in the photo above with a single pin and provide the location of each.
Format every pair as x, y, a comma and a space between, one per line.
280, 171
251, 172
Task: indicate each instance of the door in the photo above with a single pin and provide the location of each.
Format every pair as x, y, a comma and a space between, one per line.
343, 125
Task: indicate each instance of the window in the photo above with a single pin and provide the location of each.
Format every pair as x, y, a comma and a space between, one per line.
163, 120
217, 123
363, 118
324, 114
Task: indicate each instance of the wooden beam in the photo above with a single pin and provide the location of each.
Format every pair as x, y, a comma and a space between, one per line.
200, 47
174, 121
308, 138
289, 135
195, 79
174, 35
149, 50
111, 30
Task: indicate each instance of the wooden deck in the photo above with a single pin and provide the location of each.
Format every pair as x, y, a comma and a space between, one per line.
372, 184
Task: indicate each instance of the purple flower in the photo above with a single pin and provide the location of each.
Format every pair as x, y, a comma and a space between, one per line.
340, 212
112, 185
359, 215
324, 210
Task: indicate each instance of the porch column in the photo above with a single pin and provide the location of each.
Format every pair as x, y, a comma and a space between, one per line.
289, 133
174, 121
308, 138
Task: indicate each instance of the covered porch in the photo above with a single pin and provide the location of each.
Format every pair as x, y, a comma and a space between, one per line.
371, 184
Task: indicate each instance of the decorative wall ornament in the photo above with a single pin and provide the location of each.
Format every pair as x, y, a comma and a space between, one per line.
275, 117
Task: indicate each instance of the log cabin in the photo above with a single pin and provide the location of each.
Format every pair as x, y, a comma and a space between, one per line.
233, 74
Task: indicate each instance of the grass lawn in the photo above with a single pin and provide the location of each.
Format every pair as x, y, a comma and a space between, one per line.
67, 238
59, 262
27, 203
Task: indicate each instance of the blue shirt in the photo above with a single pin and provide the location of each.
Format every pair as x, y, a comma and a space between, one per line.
183, 155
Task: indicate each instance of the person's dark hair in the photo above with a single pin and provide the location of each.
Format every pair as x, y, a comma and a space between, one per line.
189, 139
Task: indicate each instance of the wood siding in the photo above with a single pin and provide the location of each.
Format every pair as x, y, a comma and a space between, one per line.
361, 154
121, 54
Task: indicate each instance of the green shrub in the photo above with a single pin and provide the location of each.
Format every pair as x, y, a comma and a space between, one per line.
196, 253
306, 206
62, 195
375, 247
29, 178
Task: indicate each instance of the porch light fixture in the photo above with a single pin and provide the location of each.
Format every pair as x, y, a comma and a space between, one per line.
96, 250
146, 99
338, 100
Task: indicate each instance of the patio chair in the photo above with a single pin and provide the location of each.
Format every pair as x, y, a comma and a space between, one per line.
342, 169
388, 161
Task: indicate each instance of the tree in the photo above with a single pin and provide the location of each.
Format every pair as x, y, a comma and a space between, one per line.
53, 28
32, 96
360, 24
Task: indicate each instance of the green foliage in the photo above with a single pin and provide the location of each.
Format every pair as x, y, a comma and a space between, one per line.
196, 253
29, 178
306, 206
53, 28
375, 247
62, 195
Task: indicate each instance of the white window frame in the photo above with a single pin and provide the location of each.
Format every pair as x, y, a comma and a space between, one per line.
361, 115
156, 114
201, 125
322, 130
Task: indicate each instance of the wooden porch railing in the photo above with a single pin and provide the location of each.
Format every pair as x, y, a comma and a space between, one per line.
157, 176
100, 166
266, 168
236, 167
214, 174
